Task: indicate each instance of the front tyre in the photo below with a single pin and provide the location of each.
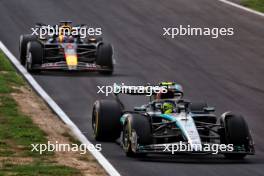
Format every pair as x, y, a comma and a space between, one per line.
136, 131
236, 132
104, 58
34, 56
23, 41
106, 120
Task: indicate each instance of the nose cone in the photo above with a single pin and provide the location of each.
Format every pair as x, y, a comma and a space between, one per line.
72, 62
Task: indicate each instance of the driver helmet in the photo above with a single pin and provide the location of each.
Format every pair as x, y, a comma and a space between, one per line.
173, 91
167, 108
65, 32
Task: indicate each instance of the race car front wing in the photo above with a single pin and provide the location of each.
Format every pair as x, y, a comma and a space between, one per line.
81, 66
171, 148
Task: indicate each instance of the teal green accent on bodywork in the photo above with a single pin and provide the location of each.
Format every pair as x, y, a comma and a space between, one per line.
171, 118
167, 117
122, 120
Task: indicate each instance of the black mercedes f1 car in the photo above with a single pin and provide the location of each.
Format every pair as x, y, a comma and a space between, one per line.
171, 125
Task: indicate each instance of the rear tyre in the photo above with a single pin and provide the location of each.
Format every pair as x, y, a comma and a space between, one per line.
104, 58
34, 56
23, 41
136, 130
236, 132
106, 120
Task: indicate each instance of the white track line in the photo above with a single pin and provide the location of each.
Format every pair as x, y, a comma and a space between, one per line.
242, 7
100, 158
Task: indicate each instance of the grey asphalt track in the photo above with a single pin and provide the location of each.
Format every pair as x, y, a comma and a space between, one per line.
227, 72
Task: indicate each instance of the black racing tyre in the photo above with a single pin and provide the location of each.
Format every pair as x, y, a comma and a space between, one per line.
106, 120
236, 132
34, 56
104, 58
23, 41
140, 126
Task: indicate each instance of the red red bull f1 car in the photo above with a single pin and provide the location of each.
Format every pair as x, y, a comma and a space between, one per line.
65, 52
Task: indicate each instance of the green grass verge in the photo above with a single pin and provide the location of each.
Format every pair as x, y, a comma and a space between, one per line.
39, 169
17, 132
8, 76
254, 4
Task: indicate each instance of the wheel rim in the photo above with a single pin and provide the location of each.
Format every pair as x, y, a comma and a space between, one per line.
28, 62
95, 122
126, 136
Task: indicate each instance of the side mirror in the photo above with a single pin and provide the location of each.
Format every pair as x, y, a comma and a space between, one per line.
158, 105
209, 109
184, 102
181, 107
141, 108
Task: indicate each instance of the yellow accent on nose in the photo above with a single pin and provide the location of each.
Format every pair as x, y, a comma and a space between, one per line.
60, 38
71, 60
